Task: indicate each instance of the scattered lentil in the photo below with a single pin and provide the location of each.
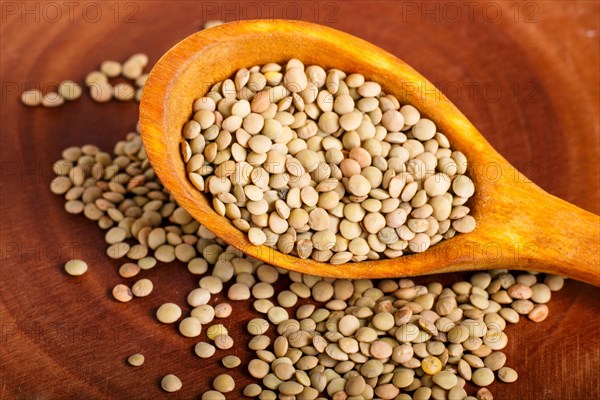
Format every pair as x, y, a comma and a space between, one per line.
223, 341
122, 293
95, 77
538, 313
223, 310
168, 313
190, 327
142, 288
224, 383
231, 361
32, 97
508, 375
69, 90
76, 267
171, 383
123, 92
484, 394
101, 92
215, 330
204, 350
111, 69
483, 377
211, 23
359, 309
136, 360
212, 395
129, 270
52, 99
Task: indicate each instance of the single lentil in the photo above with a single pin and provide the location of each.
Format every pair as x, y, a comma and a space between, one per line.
32, 97
171, 383
69, 90
136, 360
204, 350
231, 361
190, 327
224, 383
76, 267
508, 375
122, 293
142, 288
168, 313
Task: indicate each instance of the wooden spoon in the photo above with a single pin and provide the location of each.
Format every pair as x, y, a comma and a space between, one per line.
519, 226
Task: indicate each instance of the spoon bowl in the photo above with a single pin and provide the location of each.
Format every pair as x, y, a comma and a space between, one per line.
519, 226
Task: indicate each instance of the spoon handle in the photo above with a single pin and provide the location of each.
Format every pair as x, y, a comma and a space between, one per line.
569, 239
553, 235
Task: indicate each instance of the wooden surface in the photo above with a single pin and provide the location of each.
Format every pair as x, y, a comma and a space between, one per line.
65, 338
507, 195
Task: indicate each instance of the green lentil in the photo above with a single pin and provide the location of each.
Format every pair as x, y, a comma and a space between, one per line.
76, 267
122, 293
168, 313
231, 361
204, 350
142, 288
483, 377
224, 383
190, 327
69, 90
32, 97
136, 360
171, 383
508, 375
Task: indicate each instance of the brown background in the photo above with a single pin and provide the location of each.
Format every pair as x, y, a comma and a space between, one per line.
525, 73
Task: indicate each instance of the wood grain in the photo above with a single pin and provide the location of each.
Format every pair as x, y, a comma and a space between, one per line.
65, 338
510, 210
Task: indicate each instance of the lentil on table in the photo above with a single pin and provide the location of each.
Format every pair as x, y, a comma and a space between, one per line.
388, 338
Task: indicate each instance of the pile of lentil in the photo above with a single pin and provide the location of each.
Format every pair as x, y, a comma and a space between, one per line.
317, 338
325, 165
